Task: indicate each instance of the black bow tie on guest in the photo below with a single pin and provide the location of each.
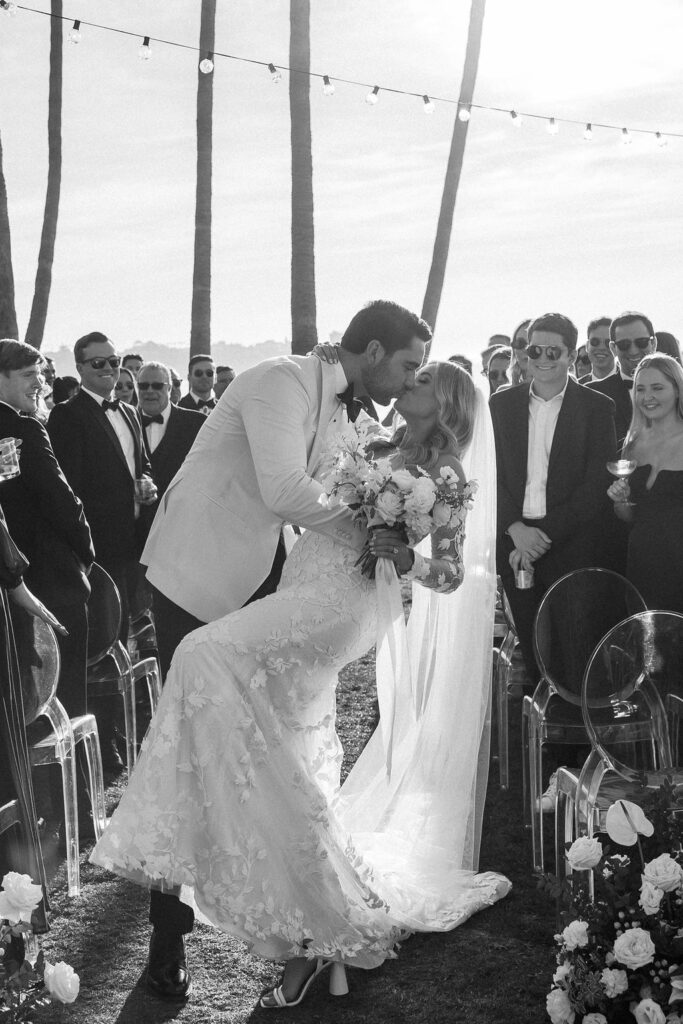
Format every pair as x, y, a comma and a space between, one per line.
204, 405
353, 406
146, 420
110, 405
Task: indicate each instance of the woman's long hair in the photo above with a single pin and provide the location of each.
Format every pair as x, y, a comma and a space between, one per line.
669, 368
456, 407
134, 397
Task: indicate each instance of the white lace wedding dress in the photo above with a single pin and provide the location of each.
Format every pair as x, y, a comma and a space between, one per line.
236, 792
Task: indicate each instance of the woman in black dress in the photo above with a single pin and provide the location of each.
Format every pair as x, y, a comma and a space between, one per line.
655, 443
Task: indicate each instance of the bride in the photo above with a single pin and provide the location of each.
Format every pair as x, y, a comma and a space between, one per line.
237, 790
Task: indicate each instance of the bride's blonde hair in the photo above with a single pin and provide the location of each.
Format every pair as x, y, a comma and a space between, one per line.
456, 406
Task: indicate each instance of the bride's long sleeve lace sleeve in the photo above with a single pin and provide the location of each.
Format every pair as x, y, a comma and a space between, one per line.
444, 571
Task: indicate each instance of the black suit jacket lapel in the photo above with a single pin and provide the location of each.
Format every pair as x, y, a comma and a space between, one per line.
568, 421
95, 410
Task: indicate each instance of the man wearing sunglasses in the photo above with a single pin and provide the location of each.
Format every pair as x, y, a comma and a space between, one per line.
632, 337
599, 352
201, 374
553, 441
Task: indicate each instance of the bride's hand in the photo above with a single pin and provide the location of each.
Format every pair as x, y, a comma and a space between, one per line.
328, 353
391, 544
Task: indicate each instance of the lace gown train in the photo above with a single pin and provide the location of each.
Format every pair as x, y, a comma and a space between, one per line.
236, 792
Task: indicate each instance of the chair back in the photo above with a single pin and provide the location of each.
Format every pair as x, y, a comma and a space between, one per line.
635, 674
38, 659
104, 614
574, 615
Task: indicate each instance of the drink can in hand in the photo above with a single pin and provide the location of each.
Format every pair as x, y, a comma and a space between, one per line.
524, 579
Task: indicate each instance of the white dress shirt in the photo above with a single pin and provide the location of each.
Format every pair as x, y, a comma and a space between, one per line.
155, 431
542, 422
123, 431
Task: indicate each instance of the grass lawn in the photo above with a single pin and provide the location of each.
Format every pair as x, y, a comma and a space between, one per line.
494, 969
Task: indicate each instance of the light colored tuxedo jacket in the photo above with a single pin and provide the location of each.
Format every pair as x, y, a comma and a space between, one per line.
250, 470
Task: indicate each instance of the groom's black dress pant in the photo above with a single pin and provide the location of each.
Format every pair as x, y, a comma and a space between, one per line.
172, 624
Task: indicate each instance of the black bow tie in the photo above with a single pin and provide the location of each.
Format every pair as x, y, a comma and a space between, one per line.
146, 420
111, 405
203, 406
352, 405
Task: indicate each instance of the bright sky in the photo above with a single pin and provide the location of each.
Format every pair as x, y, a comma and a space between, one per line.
542, 223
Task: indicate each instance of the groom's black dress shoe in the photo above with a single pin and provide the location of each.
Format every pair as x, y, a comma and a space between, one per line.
167, 973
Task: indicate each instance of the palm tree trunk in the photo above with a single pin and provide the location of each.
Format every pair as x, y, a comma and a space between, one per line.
437, 272
8, 315
200, 332
304, 332
41, 292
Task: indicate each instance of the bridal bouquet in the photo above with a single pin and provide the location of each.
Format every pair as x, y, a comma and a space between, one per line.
25, 986
620, 956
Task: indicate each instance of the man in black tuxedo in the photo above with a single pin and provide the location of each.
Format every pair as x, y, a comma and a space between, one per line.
632, 337
99, 445
553, 440
46, 519
201, 374
599, 352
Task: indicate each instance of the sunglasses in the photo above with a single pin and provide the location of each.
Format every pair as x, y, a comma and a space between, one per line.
597, 342
99, 362
624, 344
155, 385
202, 373
552, 352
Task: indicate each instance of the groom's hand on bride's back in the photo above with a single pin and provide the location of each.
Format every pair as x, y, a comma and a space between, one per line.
328, 353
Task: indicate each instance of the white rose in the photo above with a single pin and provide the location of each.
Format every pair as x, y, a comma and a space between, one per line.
584, 853
559, 1008
664, 872
388, 506
614, 982
19, 898
634, 948
441, 513
422, 496
563, 971
403, 479
575, 934
595, 1018
61, 981
650, 897
624, 821
648, 1012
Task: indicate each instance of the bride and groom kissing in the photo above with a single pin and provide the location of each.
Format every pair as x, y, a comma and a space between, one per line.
236, 794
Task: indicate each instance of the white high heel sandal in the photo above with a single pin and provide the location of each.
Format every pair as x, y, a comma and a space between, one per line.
338, 986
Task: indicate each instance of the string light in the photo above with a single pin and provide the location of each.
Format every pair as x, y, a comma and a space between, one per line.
9, 7
275, 73
516, 118
75, 33
206, 65
428, 106
464, 113
588, 132
145, 53
553, 127
373, 96
660, 139
328, 86
626, 139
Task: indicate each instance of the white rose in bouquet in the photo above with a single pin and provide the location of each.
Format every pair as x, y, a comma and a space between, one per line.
650, 897
648, 1012
584, 853
421, 498
614, 982
559, 1008
19, 898
61, 981
403, 479
634, 948
664, 872
575, 934
595, 1018
388, 506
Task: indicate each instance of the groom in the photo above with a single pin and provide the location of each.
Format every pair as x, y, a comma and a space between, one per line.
215, 543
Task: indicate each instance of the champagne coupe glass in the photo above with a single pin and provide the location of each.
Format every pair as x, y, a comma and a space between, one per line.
622, 470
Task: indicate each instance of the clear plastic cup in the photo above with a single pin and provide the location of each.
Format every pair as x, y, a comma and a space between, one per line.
9, 459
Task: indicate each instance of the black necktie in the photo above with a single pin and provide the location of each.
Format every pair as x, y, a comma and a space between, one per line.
352, 405
110, 405
146, 420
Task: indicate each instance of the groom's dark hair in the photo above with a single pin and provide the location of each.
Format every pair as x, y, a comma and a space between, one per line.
387, 322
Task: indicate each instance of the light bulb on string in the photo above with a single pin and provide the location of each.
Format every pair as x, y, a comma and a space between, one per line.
9, 7
516, 118
464, 113
373, 96
328, 86
206, 65
427, 105
145, 53
626, 139
553, 127
588, 132
275, 73
660, 139
75, 33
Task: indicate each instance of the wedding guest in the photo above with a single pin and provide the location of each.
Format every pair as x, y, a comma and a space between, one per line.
63, 389
125, 388
225, 375
520, 369
49, 373
45, 518
632, 337
462, 361
553, 440
582, 366
176, 385
201, 375
655, 442
498, 367
495, 341
599, 352
668, 345
132, 361
169, 431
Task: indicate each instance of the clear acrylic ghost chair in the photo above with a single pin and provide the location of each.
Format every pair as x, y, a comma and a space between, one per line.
631, 698
503, 681
110, 669
39, 663
573, 616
